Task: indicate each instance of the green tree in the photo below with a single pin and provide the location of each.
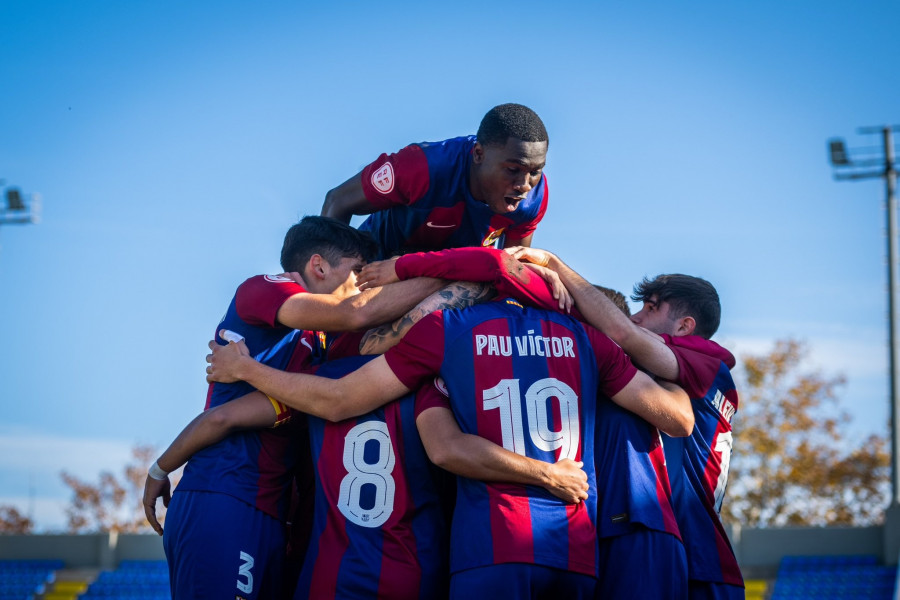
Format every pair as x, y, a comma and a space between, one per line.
793, 463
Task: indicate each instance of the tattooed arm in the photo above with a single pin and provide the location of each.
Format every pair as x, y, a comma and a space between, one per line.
459, 294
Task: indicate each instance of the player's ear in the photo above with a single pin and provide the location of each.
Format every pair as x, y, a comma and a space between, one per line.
685, 326
478, 153
317, 266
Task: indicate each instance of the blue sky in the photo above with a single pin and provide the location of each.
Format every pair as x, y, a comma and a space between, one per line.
173, 144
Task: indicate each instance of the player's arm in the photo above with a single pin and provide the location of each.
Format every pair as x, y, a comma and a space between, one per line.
346, 200
477, 458
327, 312
644, 347
510, 276
372, 385
524, 242
664, 405
459, 294
252, 411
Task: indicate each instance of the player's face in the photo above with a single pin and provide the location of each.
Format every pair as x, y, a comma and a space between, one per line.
654, 316
343, 276
503, 175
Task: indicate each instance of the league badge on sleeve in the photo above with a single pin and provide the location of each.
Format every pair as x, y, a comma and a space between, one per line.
383, 178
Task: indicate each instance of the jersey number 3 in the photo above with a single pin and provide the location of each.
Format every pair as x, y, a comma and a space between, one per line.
376, 476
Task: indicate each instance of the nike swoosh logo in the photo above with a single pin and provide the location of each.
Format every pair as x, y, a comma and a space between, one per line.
305, 343
430, 224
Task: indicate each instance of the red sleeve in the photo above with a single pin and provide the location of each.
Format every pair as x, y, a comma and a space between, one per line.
420, 353
400, 178
613, 365
511, 277
258, 299
523, 230
696, 370
432, 395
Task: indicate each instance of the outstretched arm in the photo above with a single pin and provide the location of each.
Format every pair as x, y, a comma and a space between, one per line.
644, 347
326, 312
211, 426
372, 385
477, 458
346, 200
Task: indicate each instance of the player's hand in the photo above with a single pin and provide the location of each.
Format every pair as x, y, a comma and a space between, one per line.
293, 276
153, 489
569, 481
535, 256
560, 293
224, 361
376, 274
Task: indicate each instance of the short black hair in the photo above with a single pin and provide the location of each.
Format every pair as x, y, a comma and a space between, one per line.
511, 121
687, 297
329, 237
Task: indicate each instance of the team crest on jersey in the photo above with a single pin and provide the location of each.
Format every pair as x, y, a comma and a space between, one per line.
278, 279
383, 178
492, 237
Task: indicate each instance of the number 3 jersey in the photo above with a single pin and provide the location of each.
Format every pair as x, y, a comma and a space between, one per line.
698, 464
525, 379
378, 526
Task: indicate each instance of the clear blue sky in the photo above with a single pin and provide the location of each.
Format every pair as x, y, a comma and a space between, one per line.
174, 143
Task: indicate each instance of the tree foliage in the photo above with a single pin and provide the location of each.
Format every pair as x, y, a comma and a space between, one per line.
14, 522
792, 463
112, 503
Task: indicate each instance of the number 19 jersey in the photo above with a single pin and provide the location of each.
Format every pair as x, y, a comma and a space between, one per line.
527, 380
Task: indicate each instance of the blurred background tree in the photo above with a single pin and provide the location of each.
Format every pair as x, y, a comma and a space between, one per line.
113, 503
793, 463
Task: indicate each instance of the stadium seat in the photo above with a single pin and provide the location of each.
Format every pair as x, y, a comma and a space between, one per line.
839, 577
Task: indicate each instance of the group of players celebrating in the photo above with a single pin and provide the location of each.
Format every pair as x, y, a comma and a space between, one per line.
469, 418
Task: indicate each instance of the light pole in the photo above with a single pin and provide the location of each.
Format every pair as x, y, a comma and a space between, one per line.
868, 165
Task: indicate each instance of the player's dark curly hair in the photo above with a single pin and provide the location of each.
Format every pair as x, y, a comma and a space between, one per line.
329, 237
511, 120
617, 297
687, 297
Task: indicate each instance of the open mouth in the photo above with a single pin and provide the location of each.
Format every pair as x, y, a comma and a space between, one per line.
512, 201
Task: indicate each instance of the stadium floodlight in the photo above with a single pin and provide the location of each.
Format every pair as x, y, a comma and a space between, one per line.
838, 152
867, 164
20, 208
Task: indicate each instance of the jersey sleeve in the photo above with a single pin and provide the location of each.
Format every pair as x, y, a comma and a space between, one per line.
614, 367
696, 370
258, 299
419, 354
521, 231
432, 395
511, 277
399, 178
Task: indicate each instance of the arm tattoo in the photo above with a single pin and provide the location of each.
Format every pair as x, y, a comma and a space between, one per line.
459, 294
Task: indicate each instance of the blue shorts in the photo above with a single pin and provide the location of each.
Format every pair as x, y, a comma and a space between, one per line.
643, 564
220, 547
713, 590
515, 581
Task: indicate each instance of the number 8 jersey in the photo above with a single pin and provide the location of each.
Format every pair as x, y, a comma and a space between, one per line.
527, 380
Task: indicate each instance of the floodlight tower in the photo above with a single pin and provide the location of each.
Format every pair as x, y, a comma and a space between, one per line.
867, 164
19, 209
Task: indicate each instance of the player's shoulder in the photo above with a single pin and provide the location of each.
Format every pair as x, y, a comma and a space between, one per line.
701, 345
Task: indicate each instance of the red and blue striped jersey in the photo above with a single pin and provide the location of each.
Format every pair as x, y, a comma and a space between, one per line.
632, 479
698, 464
254, 466
527, 380
378, 525
423, 201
